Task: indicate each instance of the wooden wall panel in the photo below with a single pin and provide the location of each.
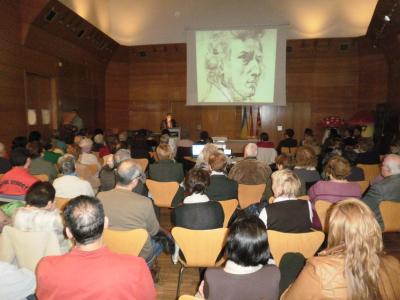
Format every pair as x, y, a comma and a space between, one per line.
324, 77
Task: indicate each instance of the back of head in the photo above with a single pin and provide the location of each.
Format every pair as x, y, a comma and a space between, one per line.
127, 172
18, 157
121, 155
264, 137
19, 142
289, 132
391, 164
84, 217
247, 243
197, 181
164, 151
34, 136
217, 161
354, 230
39, 194
204, 136
338, 167
164, 139
285, 161
308, 132
285, 183
35, 149
306, 157
66, 164
250, 150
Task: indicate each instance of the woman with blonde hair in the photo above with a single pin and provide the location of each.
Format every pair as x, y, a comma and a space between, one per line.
354, 265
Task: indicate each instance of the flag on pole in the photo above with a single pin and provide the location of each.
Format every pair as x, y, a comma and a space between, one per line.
258, 124
244, 130
251, 125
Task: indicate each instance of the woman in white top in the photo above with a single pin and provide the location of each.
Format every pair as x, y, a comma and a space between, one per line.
86, 157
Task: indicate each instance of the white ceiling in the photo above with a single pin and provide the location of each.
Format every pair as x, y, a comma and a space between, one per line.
143, 22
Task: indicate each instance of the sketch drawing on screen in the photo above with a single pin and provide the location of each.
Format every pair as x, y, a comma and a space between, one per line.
233, 64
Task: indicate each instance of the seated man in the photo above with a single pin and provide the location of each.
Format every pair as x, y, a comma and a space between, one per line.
387, 189
40, 213
90, 270
264, 141
70, 185
289, 141
129, 210
38, 164
221, 187
16, 182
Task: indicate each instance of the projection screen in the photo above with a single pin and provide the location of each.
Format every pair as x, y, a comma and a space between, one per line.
244, 66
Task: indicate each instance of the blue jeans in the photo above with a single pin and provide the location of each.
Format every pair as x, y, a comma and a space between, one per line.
157, 249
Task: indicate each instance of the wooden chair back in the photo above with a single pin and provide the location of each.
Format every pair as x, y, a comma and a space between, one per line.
364, 184
142, 162
187, 297
162, 192
42, 177
200, 247
229, 207
250, 194
390, 211
61, 202
370, 171
125, 241
305, 243
322, 207
289, 150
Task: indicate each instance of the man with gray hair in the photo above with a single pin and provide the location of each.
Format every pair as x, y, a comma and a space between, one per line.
387, 189
70, 185
129, 210
250, 170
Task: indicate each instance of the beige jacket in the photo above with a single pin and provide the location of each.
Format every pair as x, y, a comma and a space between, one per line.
323, 278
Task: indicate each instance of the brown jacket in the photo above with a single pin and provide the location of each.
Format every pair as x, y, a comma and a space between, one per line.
323, 278
250, 171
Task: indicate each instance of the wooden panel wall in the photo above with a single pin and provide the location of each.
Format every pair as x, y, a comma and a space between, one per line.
324, 77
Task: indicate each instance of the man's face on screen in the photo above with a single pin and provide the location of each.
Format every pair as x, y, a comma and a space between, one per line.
242, 69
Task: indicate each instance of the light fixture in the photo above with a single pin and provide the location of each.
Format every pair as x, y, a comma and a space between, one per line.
386, 18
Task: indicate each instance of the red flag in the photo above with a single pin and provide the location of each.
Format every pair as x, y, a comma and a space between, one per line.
251, 127
258, 124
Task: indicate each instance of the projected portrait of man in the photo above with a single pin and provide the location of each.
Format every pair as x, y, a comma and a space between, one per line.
234, 64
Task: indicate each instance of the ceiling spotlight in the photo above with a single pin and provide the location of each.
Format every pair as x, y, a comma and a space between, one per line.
386, 18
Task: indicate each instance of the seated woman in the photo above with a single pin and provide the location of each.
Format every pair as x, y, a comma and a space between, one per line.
221, 187
202, 160
287, 214
167, 170
305, 163
246, 274
87, 157
354, 266
40, 213
197, 211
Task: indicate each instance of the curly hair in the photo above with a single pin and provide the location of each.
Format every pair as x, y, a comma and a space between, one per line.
306, 157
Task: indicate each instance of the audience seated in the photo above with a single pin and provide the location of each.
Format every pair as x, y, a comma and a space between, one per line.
69, 185
16, 182
284, 161
90, 270
129, 210
204, 138
167, 170
289, 141
38, 164
348, 139
356, 173
16, 283
40, 213
337, 187
287, 214
221, 187
5, 164
367, 154
246, 274
140, 148
185, 140
264, 141
250, 170
19, 142
98, 143
387, 189
197, 211
354, 266
87, 157
305, 165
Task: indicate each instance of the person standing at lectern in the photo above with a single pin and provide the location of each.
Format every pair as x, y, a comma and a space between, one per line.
168, 122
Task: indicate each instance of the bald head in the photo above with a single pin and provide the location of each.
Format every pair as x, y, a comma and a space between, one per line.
128, 173
250, 150
391, 165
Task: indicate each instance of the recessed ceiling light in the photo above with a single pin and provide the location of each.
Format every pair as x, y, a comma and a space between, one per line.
386, 18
